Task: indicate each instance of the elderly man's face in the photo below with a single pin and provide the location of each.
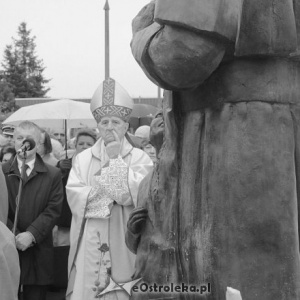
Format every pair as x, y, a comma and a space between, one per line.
157, 129
109, 124
59, 134
22, 134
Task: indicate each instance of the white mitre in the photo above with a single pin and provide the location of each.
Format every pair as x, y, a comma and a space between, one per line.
111, 99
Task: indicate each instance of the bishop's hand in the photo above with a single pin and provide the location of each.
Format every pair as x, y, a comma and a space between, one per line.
113, 148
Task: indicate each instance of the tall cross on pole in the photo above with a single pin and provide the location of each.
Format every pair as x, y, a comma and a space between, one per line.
106, 8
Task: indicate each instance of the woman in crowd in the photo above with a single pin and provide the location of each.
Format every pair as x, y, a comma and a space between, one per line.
85, 139
147, 147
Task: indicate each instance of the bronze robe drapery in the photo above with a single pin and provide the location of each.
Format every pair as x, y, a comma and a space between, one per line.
223, 201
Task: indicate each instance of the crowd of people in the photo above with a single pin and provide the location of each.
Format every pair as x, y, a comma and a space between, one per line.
73, 194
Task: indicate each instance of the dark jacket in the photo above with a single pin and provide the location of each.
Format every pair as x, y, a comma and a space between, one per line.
40, 206
66, 216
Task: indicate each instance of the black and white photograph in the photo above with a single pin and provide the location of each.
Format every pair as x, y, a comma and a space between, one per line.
149, 149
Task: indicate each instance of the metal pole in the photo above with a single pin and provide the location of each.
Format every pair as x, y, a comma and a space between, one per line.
106, 8
18, 200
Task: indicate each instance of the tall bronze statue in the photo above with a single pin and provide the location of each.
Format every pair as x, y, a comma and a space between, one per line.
222, 202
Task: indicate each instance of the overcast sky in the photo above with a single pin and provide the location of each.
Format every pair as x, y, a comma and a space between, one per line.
70, 41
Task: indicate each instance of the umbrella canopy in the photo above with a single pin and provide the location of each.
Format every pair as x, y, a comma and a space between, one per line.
55, 114
143, 110
142, 114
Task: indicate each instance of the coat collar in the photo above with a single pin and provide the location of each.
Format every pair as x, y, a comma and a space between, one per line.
11, 167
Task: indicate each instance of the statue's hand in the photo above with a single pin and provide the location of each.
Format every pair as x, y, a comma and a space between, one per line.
175, 54
137, 220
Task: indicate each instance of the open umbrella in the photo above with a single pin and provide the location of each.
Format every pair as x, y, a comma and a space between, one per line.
142, 114
143, 110
62, 113
54, 114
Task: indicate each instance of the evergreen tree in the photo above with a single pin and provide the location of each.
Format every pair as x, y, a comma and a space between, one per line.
7, 99
23, 71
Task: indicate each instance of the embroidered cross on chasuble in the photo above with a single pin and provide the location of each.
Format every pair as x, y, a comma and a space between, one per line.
111, 185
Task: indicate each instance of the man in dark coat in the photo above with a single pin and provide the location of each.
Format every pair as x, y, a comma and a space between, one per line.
40, 206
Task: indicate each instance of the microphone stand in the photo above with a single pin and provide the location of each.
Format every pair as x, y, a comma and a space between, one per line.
18, 199
19, 191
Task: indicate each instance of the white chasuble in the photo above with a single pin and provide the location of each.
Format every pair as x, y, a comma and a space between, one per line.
101, 194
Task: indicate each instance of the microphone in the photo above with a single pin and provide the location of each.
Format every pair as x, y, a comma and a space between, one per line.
27, 145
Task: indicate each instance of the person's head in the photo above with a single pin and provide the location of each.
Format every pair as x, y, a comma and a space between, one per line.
8, 133
143, 132
149, 149
45, 146
111, 106
27, 130
85, 139
59, 134
109, 124
6, 153
157, 129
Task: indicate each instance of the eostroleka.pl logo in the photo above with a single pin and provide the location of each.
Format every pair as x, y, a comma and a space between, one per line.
113, 286
131, 287
184, 288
